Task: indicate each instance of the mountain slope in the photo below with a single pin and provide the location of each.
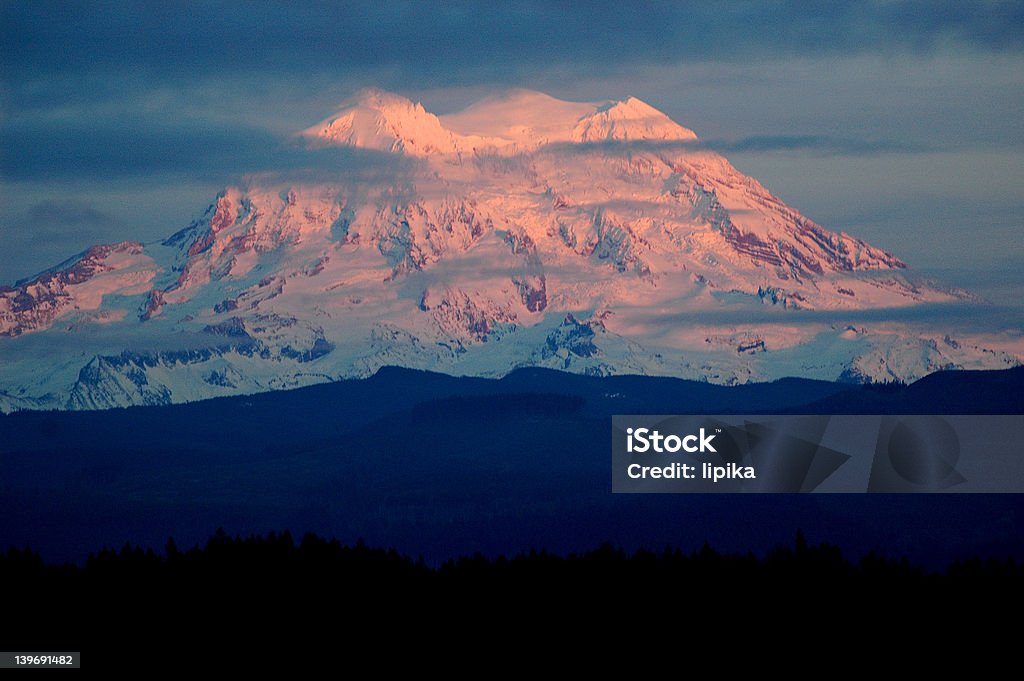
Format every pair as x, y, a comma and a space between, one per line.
596, 238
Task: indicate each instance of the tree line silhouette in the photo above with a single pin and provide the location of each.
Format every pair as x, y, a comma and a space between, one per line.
238, 581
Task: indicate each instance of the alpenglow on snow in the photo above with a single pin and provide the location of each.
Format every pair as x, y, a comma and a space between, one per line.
598, 238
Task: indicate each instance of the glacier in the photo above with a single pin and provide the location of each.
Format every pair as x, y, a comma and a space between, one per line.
592, 237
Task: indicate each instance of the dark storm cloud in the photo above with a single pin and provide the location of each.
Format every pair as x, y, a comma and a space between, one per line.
115, 148
45, 223
68, 212
820, 144
54, 219
449, 42
813, 144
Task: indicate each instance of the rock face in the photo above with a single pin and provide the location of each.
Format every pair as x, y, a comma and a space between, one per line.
78, 284
595, 238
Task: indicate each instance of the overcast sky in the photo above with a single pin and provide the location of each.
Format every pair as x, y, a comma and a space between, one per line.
902, 123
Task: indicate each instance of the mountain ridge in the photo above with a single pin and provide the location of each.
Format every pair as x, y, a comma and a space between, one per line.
574, 241
375, 119
429, 461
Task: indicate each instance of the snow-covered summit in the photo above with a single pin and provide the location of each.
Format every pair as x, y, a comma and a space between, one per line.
630, 120
512, 121
589, 237
383, 121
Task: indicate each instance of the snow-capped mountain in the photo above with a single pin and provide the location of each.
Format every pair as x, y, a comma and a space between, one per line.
592, 237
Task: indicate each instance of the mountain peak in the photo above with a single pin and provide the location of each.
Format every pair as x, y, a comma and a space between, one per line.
511, 121
629, 119
520, 238
376, 119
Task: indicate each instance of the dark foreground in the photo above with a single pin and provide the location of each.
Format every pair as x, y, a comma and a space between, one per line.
231, 585
440, 467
